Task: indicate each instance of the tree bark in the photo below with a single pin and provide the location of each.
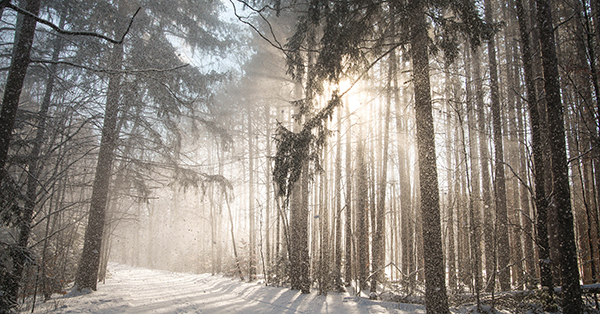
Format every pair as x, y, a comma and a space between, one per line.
488, 225
348, 228
16, 76
406, 217
436, 300
10, 104
362, 228
541, 203
561, 201
251, 214
337, 266
379, 238
502, 242
87, 271
475, 197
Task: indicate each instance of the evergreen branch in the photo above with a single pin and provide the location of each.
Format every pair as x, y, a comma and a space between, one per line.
74, 33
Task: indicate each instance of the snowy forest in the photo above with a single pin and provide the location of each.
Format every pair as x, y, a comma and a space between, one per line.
433, 152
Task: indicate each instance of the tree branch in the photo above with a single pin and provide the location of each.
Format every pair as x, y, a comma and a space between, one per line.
275, 43
74, 33
110, 71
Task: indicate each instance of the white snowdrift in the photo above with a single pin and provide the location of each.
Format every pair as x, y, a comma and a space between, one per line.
139, 290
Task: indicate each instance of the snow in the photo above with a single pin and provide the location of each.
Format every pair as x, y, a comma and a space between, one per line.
139, 290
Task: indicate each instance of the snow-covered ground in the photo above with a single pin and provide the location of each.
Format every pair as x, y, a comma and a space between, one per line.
139, 290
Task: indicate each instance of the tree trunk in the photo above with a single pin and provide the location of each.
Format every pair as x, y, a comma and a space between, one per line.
325, 258
541, 203
475, 197
572, 302
379, 238
16, 76
451, 255
87, 271
503, 248
406, 217
362, 228
436, 300
514, 206
488, 213
298, 248
268, 192
251, 214
337, 266
348, 229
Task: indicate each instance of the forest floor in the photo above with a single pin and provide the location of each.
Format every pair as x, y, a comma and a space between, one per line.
139, 290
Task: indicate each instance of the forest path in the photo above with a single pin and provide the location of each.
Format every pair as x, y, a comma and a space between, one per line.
139, 290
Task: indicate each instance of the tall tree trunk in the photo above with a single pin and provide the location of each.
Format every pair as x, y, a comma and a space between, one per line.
514, 205
268, 183
87, 271
572, 302
503, 248
362, 228
475, 197
526, 215
451, 255
325, 260
488, 225
251, 199
337, 266
541, 203
436, 300
406, 217
10, 284
16, 76
298, 247
348, 228
379, 238
587, 133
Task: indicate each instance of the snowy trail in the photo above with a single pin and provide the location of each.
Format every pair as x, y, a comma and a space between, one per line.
139, 290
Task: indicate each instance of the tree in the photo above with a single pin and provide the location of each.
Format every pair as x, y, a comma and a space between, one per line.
379, 237
16, 76
436, 300
362, 220
346, 28
503, 248
560, 182
169, 96
87, 272
337, 266
348, 227
540, 199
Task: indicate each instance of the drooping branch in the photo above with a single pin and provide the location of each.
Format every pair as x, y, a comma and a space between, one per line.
294, 150
74, 33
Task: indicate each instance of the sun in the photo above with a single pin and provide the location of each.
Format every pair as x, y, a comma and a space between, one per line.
350, 91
